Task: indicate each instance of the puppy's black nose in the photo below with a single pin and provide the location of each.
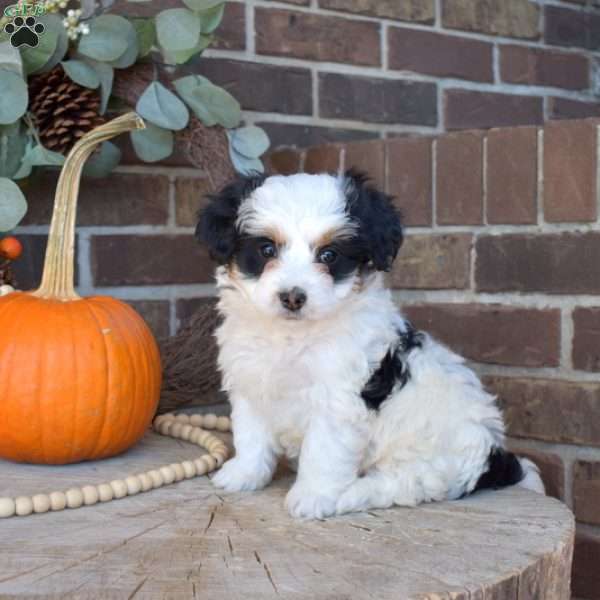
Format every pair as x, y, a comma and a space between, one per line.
293, 299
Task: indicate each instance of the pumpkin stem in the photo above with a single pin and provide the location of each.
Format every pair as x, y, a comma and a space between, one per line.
58, 275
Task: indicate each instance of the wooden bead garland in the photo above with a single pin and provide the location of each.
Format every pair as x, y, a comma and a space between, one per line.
181, 426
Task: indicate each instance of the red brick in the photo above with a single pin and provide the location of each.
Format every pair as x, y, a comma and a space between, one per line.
459, 179
409, 178
433, 262
552, 469
550, 410
231, 33
563, 263
28, 269
439, 55
570, 186
511, 188
565, 108
493, 333
120, 199
323, 159
317, 37
536, 66
586, 575
368, 157
284, 135
510, 18
420, 11
586, 340
156, 313
283, 162
190, 197
149, 260
466, 109
297, 2
586, 491
260, 87
377, 100
571, 27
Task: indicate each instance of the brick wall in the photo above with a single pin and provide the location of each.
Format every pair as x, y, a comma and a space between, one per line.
502, 263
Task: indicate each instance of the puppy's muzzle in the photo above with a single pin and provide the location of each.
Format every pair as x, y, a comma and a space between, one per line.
293, 299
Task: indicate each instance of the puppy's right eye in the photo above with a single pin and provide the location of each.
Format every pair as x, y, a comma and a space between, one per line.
268, 250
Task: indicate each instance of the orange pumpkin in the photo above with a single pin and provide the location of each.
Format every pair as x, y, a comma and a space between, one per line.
79, 377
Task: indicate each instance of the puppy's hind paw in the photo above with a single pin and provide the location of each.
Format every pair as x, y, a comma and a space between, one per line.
234, 476
304, 503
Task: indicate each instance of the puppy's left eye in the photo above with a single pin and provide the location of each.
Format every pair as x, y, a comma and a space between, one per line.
268, 250
327, 256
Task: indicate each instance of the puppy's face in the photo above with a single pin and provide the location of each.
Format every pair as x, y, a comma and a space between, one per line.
299, 246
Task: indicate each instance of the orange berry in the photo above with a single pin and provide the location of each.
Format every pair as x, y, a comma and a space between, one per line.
11, 248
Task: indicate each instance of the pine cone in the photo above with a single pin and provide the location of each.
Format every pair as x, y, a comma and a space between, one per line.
63, 110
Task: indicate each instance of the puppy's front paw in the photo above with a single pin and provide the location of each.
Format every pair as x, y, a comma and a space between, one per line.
303, 502
235, 476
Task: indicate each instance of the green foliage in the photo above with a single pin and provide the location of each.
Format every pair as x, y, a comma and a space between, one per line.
13, 96
13, 205
250, 141
105, 75
81, 73
145, 30
200, 5
37, 156
102, 162
162, 107
108, 38
12, 148
177, 29
51, 48
153, 143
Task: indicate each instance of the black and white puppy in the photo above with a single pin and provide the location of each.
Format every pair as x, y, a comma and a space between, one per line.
321, 367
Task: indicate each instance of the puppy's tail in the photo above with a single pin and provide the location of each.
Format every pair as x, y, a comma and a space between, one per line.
504, 469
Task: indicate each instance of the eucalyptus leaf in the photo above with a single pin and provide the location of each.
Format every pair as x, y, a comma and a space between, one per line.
107, 39
210, 103
38, 156
103, 161
162, 107
201, 5
182, 56
13, 205
153, 143
177, 29
250, 141
54, 23
212, 18
12, 148
130, 55
146, 35
13, 96
10, 58
36, 58
105, 74
243, 164
81, 73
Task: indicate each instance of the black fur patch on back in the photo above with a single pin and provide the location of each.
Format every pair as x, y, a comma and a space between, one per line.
392, 369
503, 469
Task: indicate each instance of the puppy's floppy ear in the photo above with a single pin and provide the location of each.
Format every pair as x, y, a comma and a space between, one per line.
216, 224
380, 227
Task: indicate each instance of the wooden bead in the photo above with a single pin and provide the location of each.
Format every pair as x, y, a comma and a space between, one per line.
41, 503
160, 419
74, 497
23, 506
178, 470
195, 435
175, 430
223, 424
168, 474
105, 492
189, 470
134, 485
182, 418
157, 478
186, 431
58, 501
201, 466
7, 508
210, 421
119, 488
219, 457
90, 494
169, 416
165, 427
146, 481
196, 420
210, 461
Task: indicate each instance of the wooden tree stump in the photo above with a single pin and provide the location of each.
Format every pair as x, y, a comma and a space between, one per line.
189, 540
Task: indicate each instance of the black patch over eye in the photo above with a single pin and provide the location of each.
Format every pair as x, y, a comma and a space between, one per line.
343, 258
268, 250
253, 253
327, 256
